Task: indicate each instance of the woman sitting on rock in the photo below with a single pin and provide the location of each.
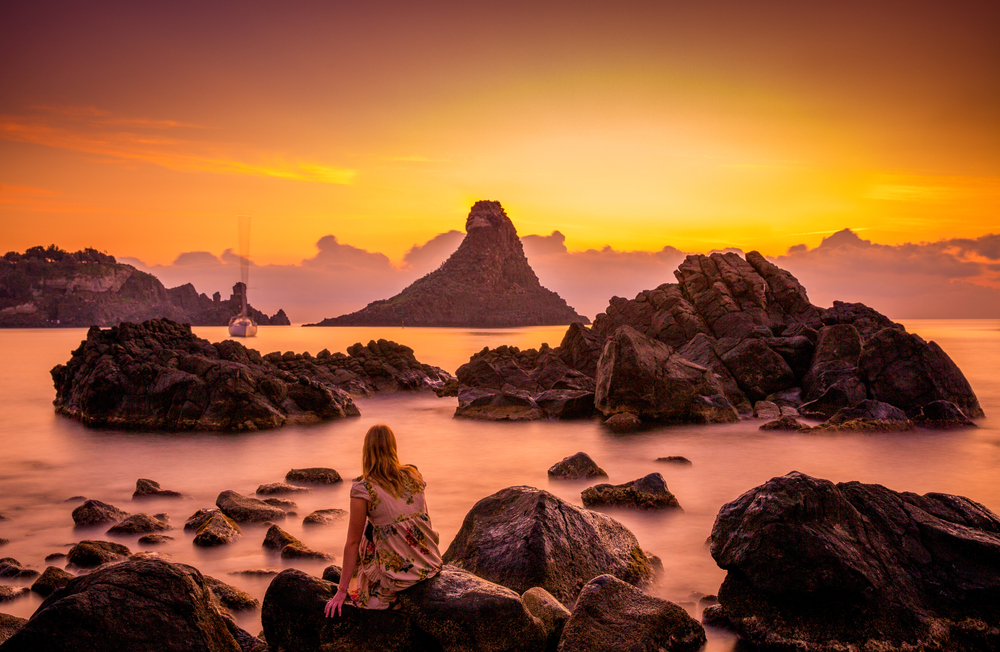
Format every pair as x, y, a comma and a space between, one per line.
398, 547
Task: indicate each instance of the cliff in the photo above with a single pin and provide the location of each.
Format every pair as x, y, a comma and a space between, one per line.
44, 288
486, 283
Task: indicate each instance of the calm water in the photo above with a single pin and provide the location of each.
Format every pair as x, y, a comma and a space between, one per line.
46, 459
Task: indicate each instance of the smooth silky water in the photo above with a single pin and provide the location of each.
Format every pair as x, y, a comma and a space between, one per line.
47, 459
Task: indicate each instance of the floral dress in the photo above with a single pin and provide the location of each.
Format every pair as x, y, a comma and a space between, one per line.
402, 550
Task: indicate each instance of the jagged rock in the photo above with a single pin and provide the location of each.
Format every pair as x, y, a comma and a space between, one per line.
766, 410
647, 378
157, 606
581, 348
454, 610
623, 422
550, 611
496, 405
150, 488
566, 403
522, 537
836, 356
325, 517
244, 509
139, 524
866, 320
944, 415
818, 566
576, 467
10, 624
674, 459
11, 568
316, 475
154, 539
791, 397
159, 376
903, 370
701, 351
52, 579
486, 283
213, 528
273, 488
648, 492
796, 351
847, 392
231, 597
614, 615
785, 423
94, 512
758, 370
276, 539
90, 554
10, 593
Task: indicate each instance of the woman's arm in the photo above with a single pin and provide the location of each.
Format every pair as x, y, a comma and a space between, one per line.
355, 530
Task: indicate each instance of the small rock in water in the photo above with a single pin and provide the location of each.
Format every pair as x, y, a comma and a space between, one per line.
216, 530
280, 488
155, 539
325, 517
301, 551
75, 499
4, 542
283, 503
623, 422
766, 410
94, 512
139, 524
12, 569
8, 593
785, 423
52, 579
258, 572
244, 509
649, 492
276, 539
90, 554
316, 475
150, 488
675, 459
55, 556
576, 467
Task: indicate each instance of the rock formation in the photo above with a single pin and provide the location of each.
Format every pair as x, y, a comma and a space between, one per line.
50, 287
486, 283
816, 566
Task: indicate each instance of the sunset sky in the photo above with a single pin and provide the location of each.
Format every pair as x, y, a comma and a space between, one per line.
144, 128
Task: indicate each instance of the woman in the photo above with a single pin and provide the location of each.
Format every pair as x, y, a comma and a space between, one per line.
398, 548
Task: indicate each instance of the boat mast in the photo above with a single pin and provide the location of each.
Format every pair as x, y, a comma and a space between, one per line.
244, 224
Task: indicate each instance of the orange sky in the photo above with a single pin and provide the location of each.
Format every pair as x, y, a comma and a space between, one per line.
143, 129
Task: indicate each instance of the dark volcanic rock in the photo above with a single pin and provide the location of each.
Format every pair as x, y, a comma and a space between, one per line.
10, 593
522, 537
52, 579
231, 597
944, 415
623, 422
276, 539
94, 512
868, 410
649, 492
332, 573
139, 524
758, 370
213, 528
325, 516
316, 475
8, 625
581, 348
614, 615
454, 610
244, 509
817, 566
134, 606
283, 503
159, 376
866, 320
90, 554
903, 370
273, 488
674, 459
701, 350
151, 489
785, 423
11, 568
486, 283
576, 467
647, 378
497, 405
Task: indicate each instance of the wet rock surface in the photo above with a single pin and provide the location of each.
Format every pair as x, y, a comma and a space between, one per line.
550, 611
245, 509
91, 554
522, 537
486, 283
95, 512
159, 376
139, 524
8, 625
278, 488
818, 566
647, 493
11, 568
158, 606
213, 528
614, 615
150, 488
52, 579
231, 597
316, 475
576, 467
325, 516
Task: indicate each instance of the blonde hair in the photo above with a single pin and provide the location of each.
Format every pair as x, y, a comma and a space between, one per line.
380, 462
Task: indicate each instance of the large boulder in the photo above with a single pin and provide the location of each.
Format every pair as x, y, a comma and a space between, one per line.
581, 348
159, 376
497, 405
817, 566
648, 493
522, 537
244, 509
701, 351
758, 370
454, 611
647, 378
134, 606
902, 369
614, 615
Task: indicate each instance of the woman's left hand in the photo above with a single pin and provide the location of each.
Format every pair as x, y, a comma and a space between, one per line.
335, 604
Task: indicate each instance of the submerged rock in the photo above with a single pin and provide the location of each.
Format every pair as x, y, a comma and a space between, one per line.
647, 493
785, 423
325, 517
11, 568
213, 528
150, 489
159, 376
316, 475
497, 405
52, 579
157, 606
522, 537
274, 488
10, 593
674, 459
244, 509
614, 615
818, 566
623, 423
90, 554
576, 467
154, 539
139, 524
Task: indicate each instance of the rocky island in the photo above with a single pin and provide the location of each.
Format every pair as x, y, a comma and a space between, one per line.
49, 287
486, 283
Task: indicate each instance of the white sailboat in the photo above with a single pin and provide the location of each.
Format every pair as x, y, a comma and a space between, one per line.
243, 324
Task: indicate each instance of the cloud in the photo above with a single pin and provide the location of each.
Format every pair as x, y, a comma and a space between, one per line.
425, 258
158, 142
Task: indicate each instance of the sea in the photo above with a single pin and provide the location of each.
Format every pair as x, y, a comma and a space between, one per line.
48, 461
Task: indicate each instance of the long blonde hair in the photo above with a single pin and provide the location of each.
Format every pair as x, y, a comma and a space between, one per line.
380, 462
